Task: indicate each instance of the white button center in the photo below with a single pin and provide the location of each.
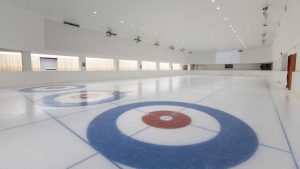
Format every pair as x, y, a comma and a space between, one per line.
166, 118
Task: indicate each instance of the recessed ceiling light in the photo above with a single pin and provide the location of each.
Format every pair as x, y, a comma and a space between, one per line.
225, 19
213, 1
122, 22
218, 8
234, 31
95, 12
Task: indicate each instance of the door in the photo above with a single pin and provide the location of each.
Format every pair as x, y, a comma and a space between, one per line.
290, 69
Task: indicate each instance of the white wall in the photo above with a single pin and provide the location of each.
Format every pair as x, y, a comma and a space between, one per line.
89, 42
256, 55
287, 39
26, 31
20, 29
247, 66
21, 79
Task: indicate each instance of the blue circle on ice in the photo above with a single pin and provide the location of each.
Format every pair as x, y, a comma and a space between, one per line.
235, 143
54, 88
52, 102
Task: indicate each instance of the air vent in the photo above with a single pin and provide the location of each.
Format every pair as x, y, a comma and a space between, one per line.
71, 24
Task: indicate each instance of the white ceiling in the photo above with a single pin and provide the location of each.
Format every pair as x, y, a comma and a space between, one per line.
196, 24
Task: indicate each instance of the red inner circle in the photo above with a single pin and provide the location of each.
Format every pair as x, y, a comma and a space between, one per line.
85, 96
177, 120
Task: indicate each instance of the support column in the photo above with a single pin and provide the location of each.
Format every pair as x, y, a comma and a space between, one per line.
140, 65
117, 64
82, 63
26, 61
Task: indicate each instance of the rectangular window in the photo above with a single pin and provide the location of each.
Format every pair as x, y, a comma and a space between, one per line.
128, 65
100, 64
148, 66
229, 57
10, 62
48, 64
42, 62
176, 66
164, 66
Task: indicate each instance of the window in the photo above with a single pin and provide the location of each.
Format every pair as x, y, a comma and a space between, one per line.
176, 66
164, 66
10, 62
229, 57
100, 64
48, 64
148, 66
128, 65
41, 62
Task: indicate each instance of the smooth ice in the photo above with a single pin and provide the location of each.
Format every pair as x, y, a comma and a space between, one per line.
38, 136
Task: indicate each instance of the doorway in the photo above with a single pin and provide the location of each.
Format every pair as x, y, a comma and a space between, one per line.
291, 67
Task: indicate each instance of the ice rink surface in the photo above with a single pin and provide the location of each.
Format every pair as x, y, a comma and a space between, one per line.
180, 122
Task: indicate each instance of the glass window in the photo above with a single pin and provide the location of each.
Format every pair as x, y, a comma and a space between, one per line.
128, 65
176, 66
100, 64
10, 62
164, 66
42, 62
148, 66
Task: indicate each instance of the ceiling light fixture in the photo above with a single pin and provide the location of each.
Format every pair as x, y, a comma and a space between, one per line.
225, 19
122, 22
172, 47
138, 39
218, 8
213, 1
95, 12
109, 33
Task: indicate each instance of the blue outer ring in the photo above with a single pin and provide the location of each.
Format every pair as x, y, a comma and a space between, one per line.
51, 102
31, 90
235, 143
